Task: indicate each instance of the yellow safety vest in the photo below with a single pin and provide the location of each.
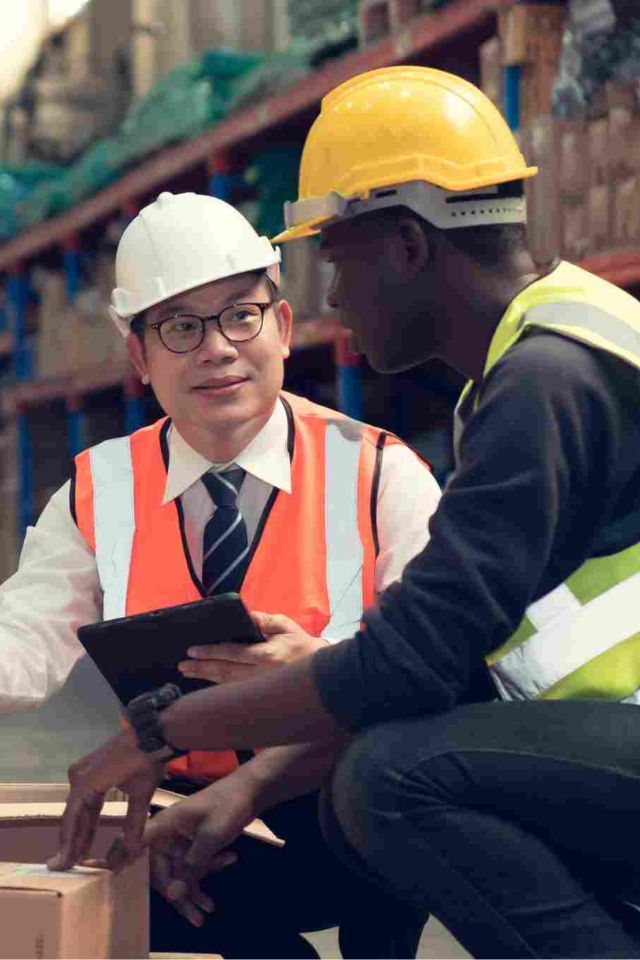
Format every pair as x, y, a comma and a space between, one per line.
581, 640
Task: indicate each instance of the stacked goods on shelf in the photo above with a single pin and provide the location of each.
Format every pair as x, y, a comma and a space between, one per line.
491, 70
322, 22
586, 198
78, 335
305, 276
190, 99
601, 45
378, 18
531, 39
624, 163
15, 183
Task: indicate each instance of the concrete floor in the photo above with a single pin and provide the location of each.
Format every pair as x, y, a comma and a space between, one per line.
39, 746
436, 943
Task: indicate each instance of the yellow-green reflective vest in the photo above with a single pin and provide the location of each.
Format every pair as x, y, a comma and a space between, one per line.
581, 640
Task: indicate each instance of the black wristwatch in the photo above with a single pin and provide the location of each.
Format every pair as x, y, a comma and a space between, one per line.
143, 715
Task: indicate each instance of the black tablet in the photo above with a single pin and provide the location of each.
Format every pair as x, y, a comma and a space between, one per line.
140, 653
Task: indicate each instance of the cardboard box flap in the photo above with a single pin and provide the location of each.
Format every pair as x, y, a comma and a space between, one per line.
36, 876
43, 792
256, 829
115, 809
39, 803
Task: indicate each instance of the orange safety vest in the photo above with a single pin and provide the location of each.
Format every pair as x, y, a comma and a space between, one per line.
313, 554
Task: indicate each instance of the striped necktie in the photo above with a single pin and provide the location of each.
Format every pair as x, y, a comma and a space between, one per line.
225, 547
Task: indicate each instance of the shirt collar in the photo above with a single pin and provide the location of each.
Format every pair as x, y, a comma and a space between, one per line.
266, 458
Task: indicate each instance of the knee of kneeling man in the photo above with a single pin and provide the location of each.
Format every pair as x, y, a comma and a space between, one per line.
363, 788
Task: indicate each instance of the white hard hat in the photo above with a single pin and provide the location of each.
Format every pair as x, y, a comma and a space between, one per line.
179, 242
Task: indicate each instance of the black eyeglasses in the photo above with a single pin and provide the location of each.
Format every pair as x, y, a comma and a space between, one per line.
238, 323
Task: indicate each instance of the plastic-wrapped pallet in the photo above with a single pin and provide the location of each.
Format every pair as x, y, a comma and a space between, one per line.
322, 20
601, 43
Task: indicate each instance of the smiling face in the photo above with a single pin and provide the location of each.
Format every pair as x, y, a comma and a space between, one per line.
221, 388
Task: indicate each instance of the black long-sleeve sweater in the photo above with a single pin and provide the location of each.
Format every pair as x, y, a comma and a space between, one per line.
548, 475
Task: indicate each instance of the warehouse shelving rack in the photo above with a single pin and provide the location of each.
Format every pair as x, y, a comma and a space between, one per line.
448, 37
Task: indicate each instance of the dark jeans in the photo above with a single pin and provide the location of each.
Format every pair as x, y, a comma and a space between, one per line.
270, 895
516, 824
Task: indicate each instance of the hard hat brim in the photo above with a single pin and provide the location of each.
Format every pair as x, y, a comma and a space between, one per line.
428, 200
310, 229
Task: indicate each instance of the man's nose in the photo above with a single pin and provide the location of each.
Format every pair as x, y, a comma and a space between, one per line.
215, 345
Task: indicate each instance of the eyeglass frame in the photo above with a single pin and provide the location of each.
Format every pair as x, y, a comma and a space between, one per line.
208, 318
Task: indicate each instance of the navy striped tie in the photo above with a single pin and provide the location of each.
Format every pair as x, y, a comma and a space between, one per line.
225, 547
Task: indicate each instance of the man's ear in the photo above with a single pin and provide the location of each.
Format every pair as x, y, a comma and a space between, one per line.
284, 316
138, 356
414, 249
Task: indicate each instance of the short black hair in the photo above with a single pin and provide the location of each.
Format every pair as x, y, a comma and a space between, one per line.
489, 244
137, 324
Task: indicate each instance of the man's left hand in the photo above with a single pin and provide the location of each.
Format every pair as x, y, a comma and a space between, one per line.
285, 642
117, 763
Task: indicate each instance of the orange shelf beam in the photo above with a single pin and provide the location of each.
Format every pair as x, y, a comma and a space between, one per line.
619, 267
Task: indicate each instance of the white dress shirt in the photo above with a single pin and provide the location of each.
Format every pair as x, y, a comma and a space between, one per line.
56, 587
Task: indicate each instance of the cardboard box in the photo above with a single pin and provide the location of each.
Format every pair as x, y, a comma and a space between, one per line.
536, 89
491, 73
625, 212
84, 912
81, 913
42, 804
73, 337
530, 32
599, 152
573, 168
257, 829
574, 229
624, 134
539, 145
599, 207
57, 325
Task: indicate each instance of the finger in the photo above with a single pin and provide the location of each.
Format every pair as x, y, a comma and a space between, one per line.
190, 912
227, 652
160, 873
225, 859
98, 863
218, 671
271, 624
79, 823
178, 895
117, 855
182, 891
207, 846
247, 656
137, 815
202, 900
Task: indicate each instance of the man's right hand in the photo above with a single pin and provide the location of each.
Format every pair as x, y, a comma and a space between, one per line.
188, 841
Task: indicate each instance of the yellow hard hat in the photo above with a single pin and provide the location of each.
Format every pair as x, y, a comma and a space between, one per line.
405, 125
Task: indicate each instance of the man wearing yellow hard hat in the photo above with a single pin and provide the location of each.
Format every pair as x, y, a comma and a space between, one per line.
514, 822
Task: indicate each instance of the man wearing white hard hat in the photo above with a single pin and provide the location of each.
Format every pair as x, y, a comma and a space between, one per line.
241, 487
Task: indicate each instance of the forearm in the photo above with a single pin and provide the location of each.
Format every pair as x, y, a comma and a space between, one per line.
279, 774
278, 707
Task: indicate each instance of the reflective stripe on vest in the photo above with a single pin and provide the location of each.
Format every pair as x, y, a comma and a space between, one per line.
581, 640
344, 548
114, 521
